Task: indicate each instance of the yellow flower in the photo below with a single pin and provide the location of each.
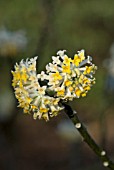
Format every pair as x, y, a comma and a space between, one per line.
76, 60
67, 60
55, 101
68, 83
25, 110
33, 107
24, 77
83, 94
66, 69
28, 100
43, 110
87, 87
65, 79
78, 92
71, 88
60, 92
16, 75
57, 76
88, 69
85, 80
45, 116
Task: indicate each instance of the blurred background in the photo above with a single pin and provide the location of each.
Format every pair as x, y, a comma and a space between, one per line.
42, 27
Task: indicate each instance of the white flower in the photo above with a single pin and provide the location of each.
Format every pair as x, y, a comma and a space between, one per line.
31, 95
42, 76
65, 79
41, 90
56, 60
71, 78
61, 52
81, 54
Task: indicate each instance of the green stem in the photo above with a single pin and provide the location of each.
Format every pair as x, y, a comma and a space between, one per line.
88, 139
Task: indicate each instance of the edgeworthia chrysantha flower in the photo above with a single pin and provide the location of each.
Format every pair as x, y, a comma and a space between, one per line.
70, 78
65, 79
31, 95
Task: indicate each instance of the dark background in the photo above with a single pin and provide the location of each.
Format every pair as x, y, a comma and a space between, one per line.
43, 28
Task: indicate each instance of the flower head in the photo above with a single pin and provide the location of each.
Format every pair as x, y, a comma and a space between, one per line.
72, 78
31, 95
65, 79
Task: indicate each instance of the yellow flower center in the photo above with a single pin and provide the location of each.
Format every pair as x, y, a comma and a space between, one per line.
57, 76
43, 110
87, 87
68, 83
60, 92
78, 92
88, 70
24, 77
66, 69
76, 60
67, 60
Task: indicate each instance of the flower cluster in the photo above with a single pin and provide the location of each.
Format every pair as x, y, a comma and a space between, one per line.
65, 79
30, 94
70, 78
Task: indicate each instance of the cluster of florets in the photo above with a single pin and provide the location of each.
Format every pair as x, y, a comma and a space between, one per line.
30, 94
65, 79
